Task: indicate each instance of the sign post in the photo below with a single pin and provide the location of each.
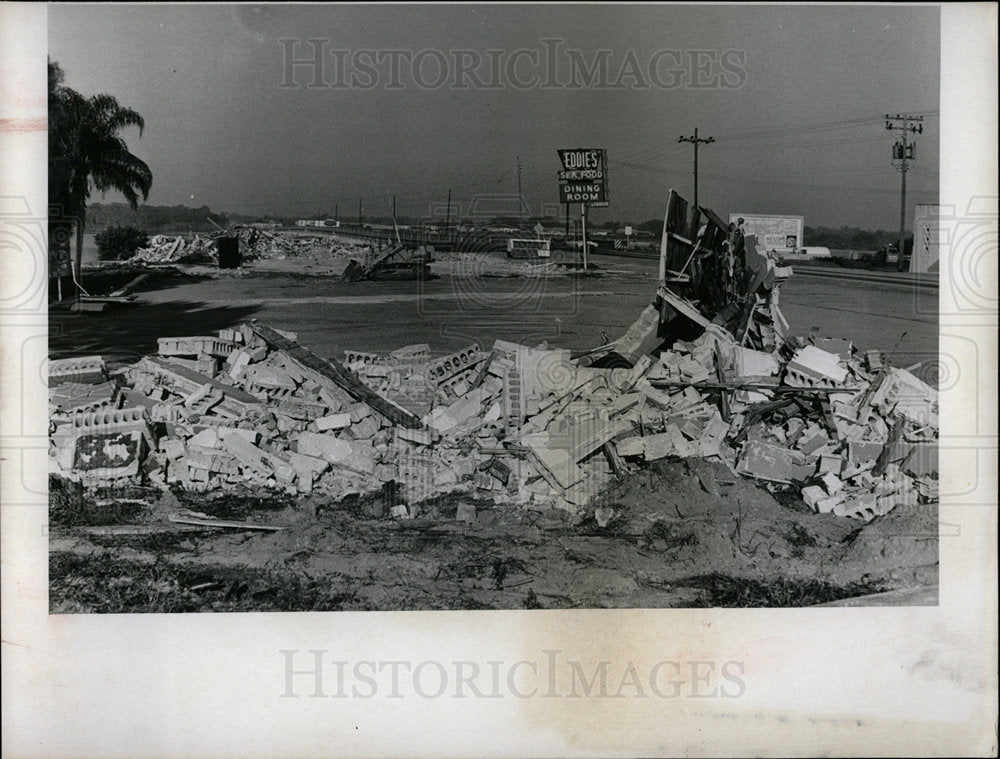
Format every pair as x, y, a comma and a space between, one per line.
583, 180
628, 238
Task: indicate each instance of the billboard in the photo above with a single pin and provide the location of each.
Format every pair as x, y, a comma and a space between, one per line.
781, 234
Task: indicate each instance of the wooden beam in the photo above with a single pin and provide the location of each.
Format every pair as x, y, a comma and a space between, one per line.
683, 306
337, 373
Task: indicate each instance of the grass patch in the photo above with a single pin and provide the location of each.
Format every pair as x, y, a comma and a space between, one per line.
71, 505
104, 585
728, 592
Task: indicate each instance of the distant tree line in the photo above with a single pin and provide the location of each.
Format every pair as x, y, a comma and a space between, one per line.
852, 238
155, 219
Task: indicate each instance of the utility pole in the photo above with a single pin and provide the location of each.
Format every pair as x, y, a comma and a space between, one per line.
694, 140
359, 213
336, 213
519, 204
447, 213
903, 151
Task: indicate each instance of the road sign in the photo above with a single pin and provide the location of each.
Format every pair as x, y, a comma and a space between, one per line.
584, 176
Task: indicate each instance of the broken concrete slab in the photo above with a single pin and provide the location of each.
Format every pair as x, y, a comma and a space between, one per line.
773, 463
332, 422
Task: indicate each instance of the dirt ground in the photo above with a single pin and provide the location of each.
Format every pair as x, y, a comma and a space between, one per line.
680, 535
670, 543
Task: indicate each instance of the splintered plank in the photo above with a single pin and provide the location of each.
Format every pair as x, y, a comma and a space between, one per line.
226, 523
337, 373
683, 306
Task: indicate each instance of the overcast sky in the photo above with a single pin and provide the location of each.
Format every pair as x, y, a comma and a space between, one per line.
413, 100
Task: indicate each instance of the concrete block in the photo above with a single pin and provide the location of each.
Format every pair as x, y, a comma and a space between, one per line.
270, 377
366, 428
86, 370
631, 446
111, 443
861, 451
303, 463
660, 445
212, 461
772, 463
626, 401
304, 481
192, 399
691, 429
249, 455
653, 395
752, 363
864, 506
811, 365
332, 422
812, 495
358, 411
554, 462
812, 439
326, 447
828, 504
207, 438
193, 346
830, 463
172, 447
500, 470
240, 360
300, 409
362, 457
420, 437
832, 483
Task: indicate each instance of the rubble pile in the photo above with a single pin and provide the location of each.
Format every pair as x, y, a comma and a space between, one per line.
520, 424
163, 249
708, 370
254, 243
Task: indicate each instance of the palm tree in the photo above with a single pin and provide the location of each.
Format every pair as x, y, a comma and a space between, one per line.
86, 152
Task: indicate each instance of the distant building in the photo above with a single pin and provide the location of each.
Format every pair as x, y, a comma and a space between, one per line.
317, 223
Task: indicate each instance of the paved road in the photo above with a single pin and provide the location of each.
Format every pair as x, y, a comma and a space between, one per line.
570, 311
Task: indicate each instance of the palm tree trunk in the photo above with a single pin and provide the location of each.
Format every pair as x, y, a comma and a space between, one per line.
81, 220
